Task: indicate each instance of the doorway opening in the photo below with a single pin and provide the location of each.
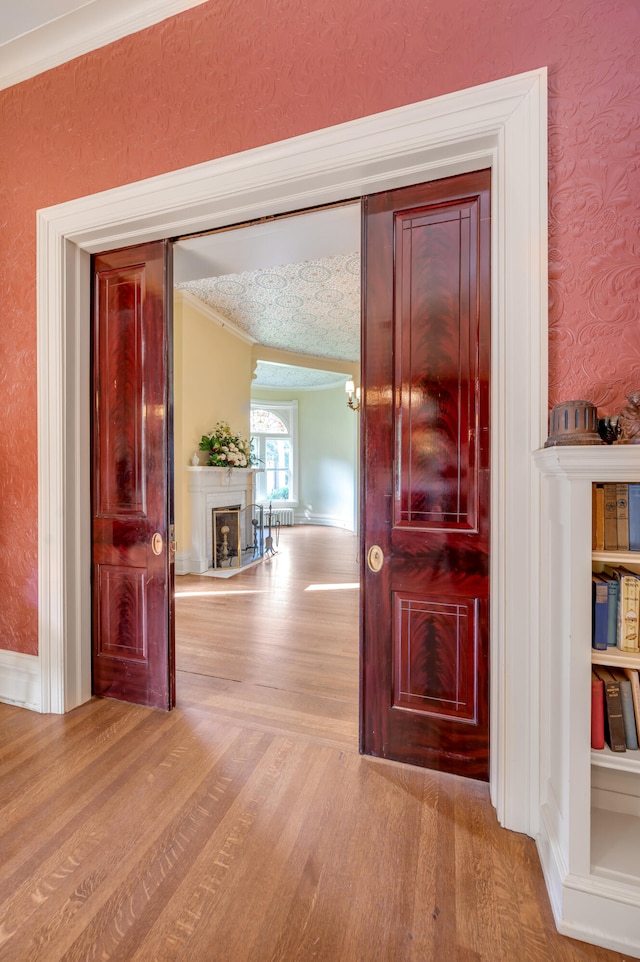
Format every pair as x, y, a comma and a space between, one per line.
502, 125
267, 315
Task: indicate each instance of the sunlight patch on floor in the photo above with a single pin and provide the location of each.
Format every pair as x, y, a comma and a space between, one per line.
351, 584
204, 594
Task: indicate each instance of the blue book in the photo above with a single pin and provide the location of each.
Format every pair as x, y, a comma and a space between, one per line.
600, 623
634, 517
612, 610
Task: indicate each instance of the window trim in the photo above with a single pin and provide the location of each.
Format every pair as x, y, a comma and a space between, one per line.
287, 411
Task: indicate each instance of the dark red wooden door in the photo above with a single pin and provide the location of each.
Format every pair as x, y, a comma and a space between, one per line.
133, 638
425, 429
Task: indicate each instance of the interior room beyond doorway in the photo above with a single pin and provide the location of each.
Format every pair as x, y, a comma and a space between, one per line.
278, 643
269, 314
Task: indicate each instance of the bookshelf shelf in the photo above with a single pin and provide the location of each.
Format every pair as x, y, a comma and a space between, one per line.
589, 836
615, 657
628, 761
617, 557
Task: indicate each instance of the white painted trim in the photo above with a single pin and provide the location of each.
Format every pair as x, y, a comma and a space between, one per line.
90, 27
598, 903
502, 125
586, 907
20, 680
186, 297
183, 562
323, 520
287, 411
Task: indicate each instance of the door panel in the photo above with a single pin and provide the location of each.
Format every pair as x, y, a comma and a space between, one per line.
133, 638
426, 488
435, 661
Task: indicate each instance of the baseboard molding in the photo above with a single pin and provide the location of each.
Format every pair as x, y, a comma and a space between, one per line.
328, 520
20, 681
553, 868
589, 908
183, 562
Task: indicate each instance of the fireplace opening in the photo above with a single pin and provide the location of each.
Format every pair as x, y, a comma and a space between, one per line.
238, 537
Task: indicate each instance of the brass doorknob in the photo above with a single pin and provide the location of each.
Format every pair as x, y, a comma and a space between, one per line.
157, 543
375, 557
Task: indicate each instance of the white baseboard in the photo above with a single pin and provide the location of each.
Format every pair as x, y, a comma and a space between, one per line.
329, 520
590, 908
183, 562
20, 681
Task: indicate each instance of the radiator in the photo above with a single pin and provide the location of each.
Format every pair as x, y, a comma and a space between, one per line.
278, 516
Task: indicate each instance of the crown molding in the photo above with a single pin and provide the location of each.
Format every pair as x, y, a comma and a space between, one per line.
90, 27
277, 355
294, 389
186, 297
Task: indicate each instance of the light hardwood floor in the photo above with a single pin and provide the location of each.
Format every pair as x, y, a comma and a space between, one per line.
244, 826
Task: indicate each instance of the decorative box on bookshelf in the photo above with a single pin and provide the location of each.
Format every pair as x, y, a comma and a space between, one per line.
589, 838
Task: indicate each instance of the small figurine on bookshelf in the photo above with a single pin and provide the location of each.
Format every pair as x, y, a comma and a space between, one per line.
609, 429
630, 419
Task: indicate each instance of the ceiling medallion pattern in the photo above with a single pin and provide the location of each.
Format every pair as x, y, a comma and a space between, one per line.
311, 308
289, 377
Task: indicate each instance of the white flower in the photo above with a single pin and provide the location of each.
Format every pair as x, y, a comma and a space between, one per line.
226, 448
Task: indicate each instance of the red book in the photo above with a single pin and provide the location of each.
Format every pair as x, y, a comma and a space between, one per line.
597, 711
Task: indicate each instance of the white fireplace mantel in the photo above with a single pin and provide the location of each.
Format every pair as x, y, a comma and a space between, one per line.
211, 488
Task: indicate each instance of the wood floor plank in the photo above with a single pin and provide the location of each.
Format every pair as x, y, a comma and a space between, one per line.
244, 826
324, 720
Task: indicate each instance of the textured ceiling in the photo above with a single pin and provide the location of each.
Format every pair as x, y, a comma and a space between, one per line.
288, 376
312, 307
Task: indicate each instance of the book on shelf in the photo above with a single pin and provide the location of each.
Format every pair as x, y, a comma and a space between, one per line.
599, 611
634, 517
598, 517
597, 711
612, 610
634, 677
628, 713
610, 517
604, 596
613, 722
628, 617
615, 516
622, 516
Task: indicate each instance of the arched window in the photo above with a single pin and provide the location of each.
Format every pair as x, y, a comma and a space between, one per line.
266, 422
274, 429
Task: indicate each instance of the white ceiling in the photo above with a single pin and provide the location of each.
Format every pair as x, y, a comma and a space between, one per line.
289, 377
17, 19
282, 240
292, 284
37, 35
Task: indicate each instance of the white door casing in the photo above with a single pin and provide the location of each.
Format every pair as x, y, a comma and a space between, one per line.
502, 125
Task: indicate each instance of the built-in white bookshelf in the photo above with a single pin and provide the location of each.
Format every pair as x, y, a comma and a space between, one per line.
589, 834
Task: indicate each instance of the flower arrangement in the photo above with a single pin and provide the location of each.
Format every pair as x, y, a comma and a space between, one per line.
226, 450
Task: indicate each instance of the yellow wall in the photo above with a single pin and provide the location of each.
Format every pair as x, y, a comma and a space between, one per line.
213, 370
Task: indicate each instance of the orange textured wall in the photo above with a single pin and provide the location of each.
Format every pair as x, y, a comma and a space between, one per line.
233, 74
